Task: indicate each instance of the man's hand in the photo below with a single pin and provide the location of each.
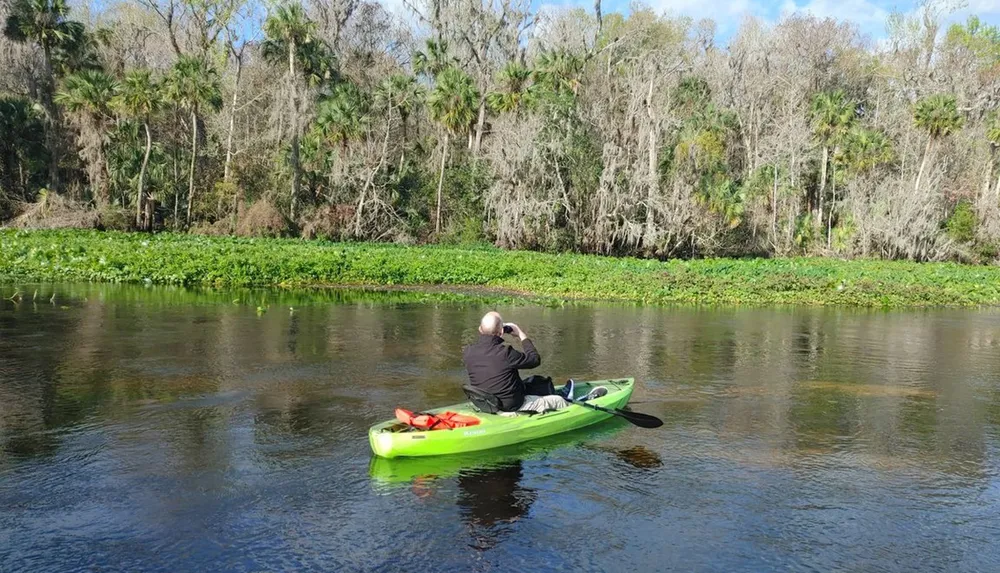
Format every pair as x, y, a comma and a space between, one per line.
516, 330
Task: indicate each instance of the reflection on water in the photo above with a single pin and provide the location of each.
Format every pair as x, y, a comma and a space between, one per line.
159, 429
491, 499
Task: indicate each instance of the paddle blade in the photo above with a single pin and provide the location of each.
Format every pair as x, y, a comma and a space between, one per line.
641, 420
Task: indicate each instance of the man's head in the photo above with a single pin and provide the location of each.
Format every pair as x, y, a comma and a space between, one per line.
491, 324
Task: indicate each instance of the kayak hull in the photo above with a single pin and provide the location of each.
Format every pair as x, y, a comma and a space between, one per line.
391, 439
400, 471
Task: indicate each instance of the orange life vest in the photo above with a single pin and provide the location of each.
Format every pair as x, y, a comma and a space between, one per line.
443, 421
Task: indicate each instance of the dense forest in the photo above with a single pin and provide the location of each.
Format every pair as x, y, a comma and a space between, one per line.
484, 120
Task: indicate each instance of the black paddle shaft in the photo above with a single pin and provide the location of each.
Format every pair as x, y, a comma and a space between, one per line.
641, 420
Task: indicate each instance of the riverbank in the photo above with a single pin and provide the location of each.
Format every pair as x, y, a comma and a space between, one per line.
283, 263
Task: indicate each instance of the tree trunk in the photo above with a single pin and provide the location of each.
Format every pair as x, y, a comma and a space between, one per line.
996, 192
371, 176
444, 157
51, 124
402, 151
226, 172
103, 187
923, 164
480, 125
293, 108
653, 184
774, 206
142, 178
988, 181
194, 156
177, 192
822, 187
833, 203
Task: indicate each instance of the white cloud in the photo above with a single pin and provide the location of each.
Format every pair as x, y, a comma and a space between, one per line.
397, 7
983, 6
718, 10
861, 12
727, 14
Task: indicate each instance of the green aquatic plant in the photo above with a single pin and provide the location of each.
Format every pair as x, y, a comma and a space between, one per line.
435, 272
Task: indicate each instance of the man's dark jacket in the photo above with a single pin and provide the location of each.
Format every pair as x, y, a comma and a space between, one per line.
493, 366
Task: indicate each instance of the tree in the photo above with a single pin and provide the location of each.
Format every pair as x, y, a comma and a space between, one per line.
452, 103
400, 93
22, 148
937, 115
433, 60
514, 94
87, 95
559, 72
290, 33
343, 116
982, 40
865, 149
832, 115
138, 97
193, 85
993, 137
45, 23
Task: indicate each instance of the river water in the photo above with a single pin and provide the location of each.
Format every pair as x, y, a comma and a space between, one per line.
158, 429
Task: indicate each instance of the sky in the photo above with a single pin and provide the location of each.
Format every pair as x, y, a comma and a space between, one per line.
869, 15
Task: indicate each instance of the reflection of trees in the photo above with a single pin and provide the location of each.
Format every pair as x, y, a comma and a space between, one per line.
808, 382
30, 332
912, 386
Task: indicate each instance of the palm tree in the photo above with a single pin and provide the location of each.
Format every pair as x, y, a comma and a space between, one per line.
453, 104
559, 72
138, 98
290, 33
317, 66
938, 115
343, 116
832, 115
515, 92
45, 23
87, 96
865, 149
433, 60
403, 94
192, 84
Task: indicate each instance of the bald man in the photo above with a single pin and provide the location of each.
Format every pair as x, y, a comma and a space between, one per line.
493, 367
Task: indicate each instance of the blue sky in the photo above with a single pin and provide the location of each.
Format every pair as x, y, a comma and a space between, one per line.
869, 15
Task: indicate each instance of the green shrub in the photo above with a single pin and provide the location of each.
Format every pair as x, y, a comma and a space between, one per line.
114, 218
962, 224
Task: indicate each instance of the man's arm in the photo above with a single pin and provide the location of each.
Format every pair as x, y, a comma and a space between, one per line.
526, 360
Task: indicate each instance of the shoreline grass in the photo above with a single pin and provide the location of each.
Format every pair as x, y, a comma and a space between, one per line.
94, 256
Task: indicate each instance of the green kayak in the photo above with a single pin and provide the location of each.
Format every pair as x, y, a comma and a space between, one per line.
388, 473
391, 439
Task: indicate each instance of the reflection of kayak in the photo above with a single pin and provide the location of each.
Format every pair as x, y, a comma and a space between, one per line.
386, 472
392, 438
